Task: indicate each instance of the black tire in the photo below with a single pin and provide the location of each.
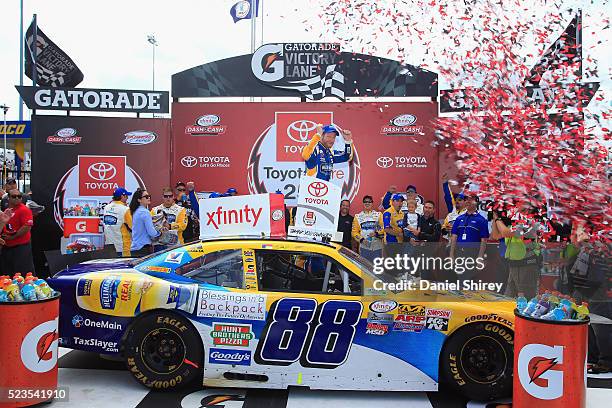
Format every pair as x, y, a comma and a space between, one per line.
477, 360
164, 351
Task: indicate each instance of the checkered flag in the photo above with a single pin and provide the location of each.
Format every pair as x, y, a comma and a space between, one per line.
53, 66
320, 86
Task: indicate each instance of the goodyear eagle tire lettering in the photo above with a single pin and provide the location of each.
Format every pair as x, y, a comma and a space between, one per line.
476, 361
164, 351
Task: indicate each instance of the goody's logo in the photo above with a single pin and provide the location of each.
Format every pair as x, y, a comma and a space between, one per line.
228, 356
300, 130
139, 137
101, 171
189, 161
317, 189
537, 373
39, 347
384, 162
77, 321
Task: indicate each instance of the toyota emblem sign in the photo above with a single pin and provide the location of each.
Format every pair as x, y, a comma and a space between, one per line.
317, 189
101, 175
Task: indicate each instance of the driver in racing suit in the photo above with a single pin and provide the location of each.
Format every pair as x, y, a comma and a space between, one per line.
318, 155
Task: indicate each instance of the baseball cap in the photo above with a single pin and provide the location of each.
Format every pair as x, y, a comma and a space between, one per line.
460, 196
331, 129
397, 197
231, 190
121, 191
180, 183
214, 194
410, 186
10, 180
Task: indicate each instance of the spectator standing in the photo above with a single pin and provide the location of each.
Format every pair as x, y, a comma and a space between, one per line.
458, 209
392, 223
345, 223
117, 221
175, 216
470, 232
17, 247
365, 230
10, 184
143, 230
428, 235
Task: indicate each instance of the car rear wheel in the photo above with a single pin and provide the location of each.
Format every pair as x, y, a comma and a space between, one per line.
477, 361
163, 350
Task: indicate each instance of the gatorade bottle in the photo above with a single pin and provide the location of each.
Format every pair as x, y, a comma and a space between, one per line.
553, 299
28, 292
556, 314
18, 280
14, 293
45, 289
541, 309
545, 295
3, 296
531, 307
5, 281
582, 311
521, 303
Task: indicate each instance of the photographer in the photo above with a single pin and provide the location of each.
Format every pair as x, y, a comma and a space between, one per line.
522, 253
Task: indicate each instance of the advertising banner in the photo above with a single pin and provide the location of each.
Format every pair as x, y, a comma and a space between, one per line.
79, 161
256, 215
318, 205
256, 147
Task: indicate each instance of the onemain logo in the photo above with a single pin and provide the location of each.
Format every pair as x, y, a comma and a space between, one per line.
78, 321
102, 171
205, 161
299, 130
536, 373
227, 356
402, 162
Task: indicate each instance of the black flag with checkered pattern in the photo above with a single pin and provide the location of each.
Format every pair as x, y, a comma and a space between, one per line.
53, 66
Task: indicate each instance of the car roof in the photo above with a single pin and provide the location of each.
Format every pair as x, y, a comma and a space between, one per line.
244, 238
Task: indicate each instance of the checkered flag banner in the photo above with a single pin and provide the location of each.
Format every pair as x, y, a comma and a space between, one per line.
53, 66
320, 86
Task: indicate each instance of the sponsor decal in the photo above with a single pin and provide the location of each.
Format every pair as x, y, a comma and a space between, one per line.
410, 319
172, 322
153, 268
538, 372
172, 382
108, 288
222, 217
174, 294
139, 137
65, 136
206, 161
248, 252
217, 398
402, 162
225, 334
383, 306
452, 363
505, 333
377, 329
317, 189
101, 175
84, 287
383, 318
437, 323
110, 346
231, 305
294, 130
446, 314
39, 347
408, 327
309, 218
402, 125
206, 125
489, 317
413, 310
174, 257
228, 356
278, 215
78, 321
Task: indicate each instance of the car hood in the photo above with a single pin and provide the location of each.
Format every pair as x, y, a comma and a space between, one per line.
96, 265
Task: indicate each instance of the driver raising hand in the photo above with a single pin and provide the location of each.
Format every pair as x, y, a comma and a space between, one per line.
318, 155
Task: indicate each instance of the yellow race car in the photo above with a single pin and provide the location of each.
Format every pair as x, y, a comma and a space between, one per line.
278, 313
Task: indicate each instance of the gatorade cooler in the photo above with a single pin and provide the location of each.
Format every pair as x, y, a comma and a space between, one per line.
549, 363
29, 344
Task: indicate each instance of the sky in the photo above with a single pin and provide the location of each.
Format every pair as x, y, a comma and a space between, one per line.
108, 39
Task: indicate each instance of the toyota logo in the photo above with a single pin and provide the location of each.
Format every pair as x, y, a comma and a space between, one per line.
384, 162
189, 161
299, 130
102, 171
317, 189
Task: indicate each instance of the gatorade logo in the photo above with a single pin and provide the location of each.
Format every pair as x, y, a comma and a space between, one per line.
39, 347
81, 226
536, 363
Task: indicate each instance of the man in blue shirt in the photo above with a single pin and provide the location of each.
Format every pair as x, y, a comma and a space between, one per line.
470, 232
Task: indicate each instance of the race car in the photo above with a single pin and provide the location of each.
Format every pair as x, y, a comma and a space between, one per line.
274, 313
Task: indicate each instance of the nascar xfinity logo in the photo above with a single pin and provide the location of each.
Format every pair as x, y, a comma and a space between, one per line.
79, 321
227, 356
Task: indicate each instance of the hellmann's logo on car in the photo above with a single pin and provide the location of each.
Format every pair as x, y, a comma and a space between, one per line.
227, 356
108, 291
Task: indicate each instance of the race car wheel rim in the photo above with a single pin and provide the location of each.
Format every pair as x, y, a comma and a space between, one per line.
163, 351
483, 359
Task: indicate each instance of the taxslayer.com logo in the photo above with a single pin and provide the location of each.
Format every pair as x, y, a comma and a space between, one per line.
317, 189
101, 175
206, 125
139, 137
402, 162
402, 125
294, 131
538, 371
39, 347
205, 161
64, 136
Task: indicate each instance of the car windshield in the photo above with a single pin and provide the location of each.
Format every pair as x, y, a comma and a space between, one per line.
368, 267
138, 261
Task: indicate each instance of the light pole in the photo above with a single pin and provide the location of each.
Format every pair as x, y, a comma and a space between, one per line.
4, 169
151, 39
